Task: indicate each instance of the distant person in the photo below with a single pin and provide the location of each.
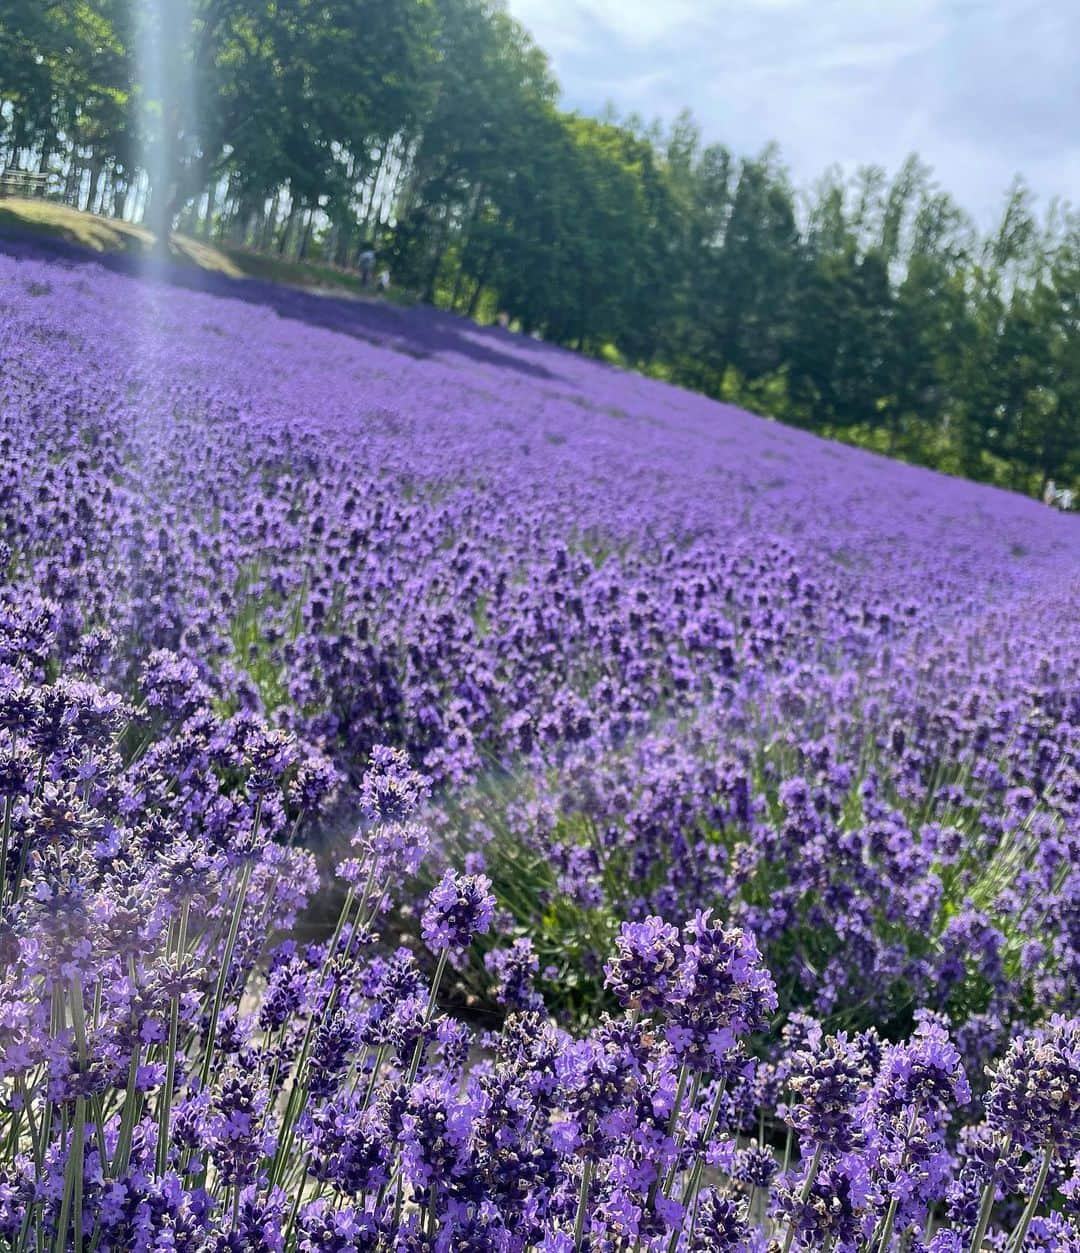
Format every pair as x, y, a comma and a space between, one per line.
1063, 498
503, 319
383, 281
367, 266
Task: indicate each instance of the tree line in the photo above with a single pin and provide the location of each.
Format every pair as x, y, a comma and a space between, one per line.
866, 307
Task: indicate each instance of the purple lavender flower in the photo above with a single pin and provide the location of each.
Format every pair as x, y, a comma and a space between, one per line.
314, 784
515, 969
391, 790
324, 1229
236, 1138
645, 969
1034, 1096
458, 908
721, 1225
723, 992
828, 1086
924, 1075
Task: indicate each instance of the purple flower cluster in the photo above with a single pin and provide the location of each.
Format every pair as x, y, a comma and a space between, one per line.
694, 787
178, 1073
459, 908
663, 654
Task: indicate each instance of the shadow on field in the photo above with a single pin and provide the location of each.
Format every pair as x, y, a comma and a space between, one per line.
419, 331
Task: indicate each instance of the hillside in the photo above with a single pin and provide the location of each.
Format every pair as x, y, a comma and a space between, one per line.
321, 619
51, 222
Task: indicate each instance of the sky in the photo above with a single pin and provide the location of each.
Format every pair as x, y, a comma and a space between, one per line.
982, 90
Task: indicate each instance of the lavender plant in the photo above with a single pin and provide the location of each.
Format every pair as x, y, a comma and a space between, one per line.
690, 758
178, 1070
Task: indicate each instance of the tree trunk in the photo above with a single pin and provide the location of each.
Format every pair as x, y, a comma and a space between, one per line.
436, 265
485, 269
238, 223
119, 195
160, 215
369, 209
95, 184
71, 182
266, 241
305, 239
290, 226
177, 183
207, 227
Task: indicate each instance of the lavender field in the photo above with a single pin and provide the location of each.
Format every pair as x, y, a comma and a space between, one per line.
458, 796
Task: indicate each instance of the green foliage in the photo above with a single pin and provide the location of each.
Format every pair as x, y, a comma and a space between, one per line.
569, 938
262, 620
572, 931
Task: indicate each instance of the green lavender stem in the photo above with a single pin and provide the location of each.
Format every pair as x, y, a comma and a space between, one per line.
1017, 1241
804, 1196
5, 840
583, 1203
226, 962
414, 1065
983, 1221
165, 1108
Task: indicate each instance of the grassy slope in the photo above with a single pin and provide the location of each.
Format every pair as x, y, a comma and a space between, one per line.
45, 217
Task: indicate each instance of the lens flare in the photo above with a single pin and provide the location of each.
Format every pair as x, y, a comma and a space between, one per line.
167, 111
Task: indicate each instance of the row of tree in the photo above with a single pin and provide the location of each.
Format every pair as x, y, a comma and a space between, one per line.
866, 308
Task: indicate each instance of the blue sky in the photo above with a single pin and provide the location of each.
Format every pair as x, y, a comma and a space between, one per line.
981, 89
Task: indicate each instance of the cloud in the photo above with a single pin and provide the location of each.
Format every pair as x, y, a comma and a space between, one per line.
635, 23
982, 89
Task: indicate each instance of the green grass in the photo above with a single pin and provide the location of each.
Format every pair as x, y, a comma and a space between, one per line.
105, 235
22, 217
310, 275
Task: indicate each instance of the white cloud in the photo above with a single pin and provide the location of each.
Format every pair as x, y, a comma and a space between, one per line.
981, 88
637, 22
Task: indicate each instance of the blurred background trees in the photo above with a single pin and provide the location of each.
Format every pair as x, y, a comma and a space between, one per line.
867, 308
